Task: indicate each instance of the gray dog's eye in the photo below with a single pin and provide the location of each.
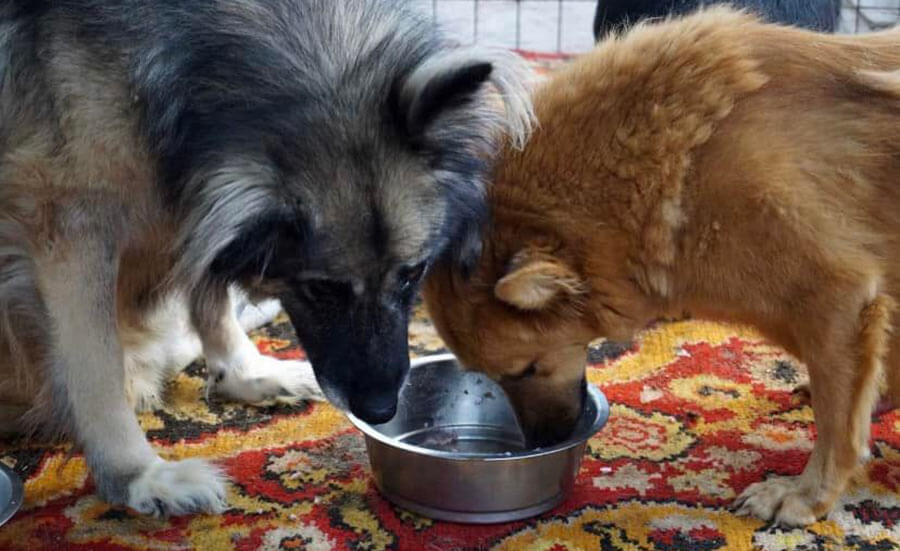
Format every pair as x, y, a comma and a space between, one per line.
313, 289
411, 275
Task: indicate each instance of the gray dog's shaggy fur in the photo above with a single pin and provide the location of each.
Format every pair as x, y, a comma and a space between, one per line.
157, 155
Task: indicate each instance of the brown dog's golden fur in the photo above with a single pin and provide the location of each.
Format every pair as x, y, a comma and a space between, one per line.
716, 165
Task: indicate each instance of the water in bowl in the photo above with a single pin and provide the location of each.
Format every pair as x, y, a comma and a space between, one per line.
469, 439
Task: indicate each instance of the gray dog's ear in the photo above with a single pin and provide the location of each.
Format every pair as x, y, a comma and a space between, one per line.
450, 80
437, 86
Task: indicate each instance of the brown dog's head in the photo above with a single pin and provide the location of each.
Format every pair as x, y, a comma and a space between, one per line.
518, 320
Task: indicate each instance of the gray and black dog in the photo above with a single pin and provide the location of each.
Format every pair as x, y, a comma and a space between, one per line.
158, 155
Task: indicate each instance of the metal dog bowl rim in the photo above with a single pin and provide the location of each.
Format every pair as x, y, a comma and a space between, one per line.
594, 394
17, 492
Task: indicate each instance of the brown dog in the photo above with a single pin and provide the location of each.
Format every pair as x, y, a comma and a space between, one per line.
736, 170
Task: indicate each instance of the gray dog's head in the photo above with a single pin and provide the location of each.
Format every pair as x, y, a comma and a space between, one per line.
346, 152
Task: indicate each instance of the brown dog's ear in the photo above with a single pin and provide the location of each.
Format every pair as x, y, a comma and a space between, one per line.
534, 280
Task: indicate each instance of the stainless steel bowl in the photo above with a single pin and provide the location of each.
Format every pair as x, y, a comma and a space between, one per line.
11, 493
454, 450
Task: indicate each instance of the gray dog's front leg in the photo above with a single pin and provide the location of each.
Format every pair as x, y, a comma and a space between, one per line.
77, 278
236, 367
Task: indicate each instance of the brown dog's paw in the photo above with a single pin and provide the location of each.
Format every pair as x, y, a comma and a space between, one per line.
780, 499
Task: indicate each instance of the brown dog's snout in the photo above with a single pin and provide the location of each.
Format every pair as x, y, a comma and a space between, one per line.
549, 432
547, 414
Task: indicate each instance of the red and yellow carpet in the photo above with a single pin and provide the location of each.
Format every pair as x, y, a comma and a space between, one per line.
699, 412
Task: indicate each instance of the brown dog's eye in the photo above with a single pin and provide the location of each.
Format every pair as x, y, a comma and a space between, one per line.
529, 371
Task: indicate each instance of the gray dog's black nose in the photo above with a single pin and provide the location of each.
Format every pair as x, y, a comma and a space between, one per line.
374, 408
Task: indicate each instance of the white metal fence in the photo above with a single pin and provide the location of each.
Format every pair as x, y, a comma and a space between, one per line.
566, 26
868, 15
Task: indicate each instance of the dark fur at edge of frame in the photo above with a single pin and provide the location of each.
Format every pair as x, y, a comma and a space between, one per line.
818, 15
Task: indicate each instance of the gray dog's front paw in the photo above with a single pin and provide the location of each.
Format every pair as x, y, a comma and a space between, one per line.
263, 379
171, 488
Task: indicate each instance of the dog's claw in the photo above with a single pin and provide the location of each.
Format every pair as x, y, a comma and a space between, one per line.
802, 391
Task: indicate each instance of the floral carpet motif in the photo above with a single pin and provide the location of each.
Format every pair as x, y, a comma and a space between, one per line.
699, 412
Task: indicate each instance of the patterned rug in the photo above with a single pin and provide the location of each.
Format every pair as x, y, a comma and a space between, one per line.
699, 412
